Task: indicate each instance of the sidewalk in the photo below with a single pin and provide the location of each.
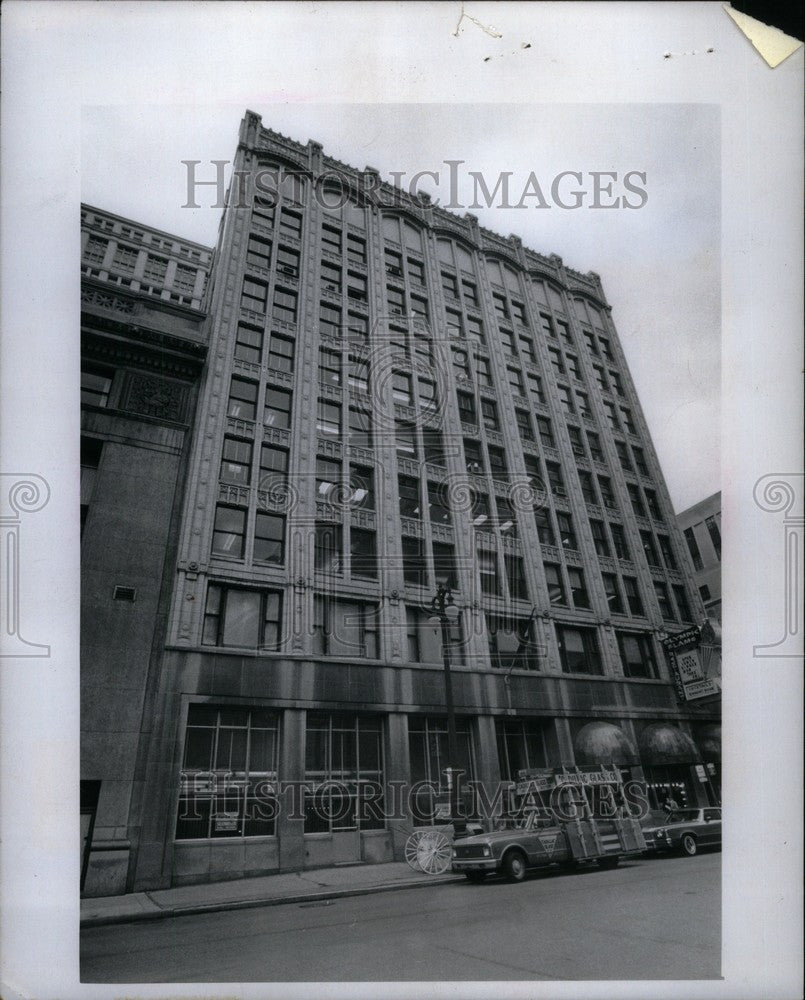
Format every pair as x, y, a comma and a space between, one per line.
268, 890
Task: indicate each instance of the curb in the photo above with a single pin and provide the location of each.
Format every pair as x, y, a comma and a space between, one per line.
246, 904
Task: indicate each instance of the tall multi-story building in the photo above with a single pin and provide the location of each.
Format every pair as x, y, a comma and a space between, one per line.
701, 528
142, 351
396, 399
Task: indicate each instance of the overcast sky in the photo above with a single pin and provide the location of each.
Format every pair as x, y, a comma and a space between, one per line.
659, 264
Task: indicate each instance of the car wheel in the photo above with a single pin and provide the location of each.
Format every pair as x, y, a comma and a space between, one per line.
475, 876
514, 866
609, 862
689, 845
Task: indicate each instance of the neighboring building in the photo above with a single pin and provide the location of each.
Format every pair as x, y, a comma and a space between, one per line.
142, 351
395, 399
701, 528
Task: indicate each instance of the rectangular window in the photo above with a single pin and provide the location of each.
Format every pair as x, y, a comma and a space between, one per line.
281, 353
628, 422
273, 467
330, 321
600, 540
358, 327
343, 773
466, 408
619, 541
475, 331
544, 526
488, 567
242, 399
617, 385
500, 306
507, 343
527, 351
511, 643
600, 378
156, 268
328, 421
578, 588
714, 532
331, 277
649, 548
578, 650
515, 380
356, 287
572, 363
704, 592
564, 332
545, 432
556, 586
229, 773
521, 746
328, 478
594, 444
556, 360
667, 552
363, 554
583, 404
489, 414
284, 306
524, 425
497, 462
401, 390
567, 535
693, 548
254, 295
612, 592
269, 538
454, 325
637, 655
483, 372
444, 565
429, 755
249, 343
419, 308
362, 487
434, 447
623, 456
470, 292
416, 271
587, 488
664, 601
461, 363
258, 252
653, 505
555, 480
356, 249
263, 210
682, 605
637, 499
290, 223
95, 387
328, 548
331, 239
288, 261
414, 565
473, 456
329, 366
95, 251
235, 616
405, 439
125, 258
612, 416
565, 399
358, 374
589, 340
236, 462
605, 348
393, 263
408, 491
515, 577
438, 504
546, 325
518, 311
640, 461
360, 428
229, 531
277, 410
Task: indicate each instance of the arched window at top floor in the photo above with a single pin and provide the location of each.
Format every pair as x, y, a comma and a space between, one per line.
338, 204
548, 294
588, 313
501, 274
403, 233
275, 183
455, 255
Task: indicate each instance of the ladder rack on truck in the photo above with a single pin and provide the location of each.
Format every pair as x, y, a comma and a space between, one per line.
594, 831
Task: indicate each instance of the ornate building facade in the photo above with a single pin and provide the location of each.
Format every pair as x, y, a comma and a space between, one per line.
395, 399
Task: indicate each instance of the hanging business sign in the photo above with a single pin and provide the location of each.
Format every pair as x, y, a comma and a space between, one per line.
686, 663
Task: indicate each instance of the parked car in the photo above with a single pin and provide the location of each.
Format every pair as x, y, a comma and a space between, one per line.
686, 830
520, 843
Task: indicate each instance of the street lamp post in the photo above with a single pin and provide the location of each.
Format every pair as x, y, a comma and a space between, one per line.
445, 611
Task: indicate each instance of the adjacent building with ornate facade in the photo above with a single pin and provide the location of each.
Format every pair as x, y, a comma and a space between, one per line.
393, 399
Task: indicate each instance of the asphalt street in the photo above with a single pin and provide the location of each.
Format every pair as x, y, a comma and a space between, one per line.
657, 918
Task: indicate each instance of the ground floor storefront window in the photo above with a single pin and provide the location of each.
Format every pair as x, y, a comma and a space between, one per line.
429, 755
674, 780
343, 773
229, 773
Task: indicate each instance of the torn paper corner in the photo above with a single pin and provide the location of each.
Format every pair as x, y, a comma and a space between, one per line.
774, 45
